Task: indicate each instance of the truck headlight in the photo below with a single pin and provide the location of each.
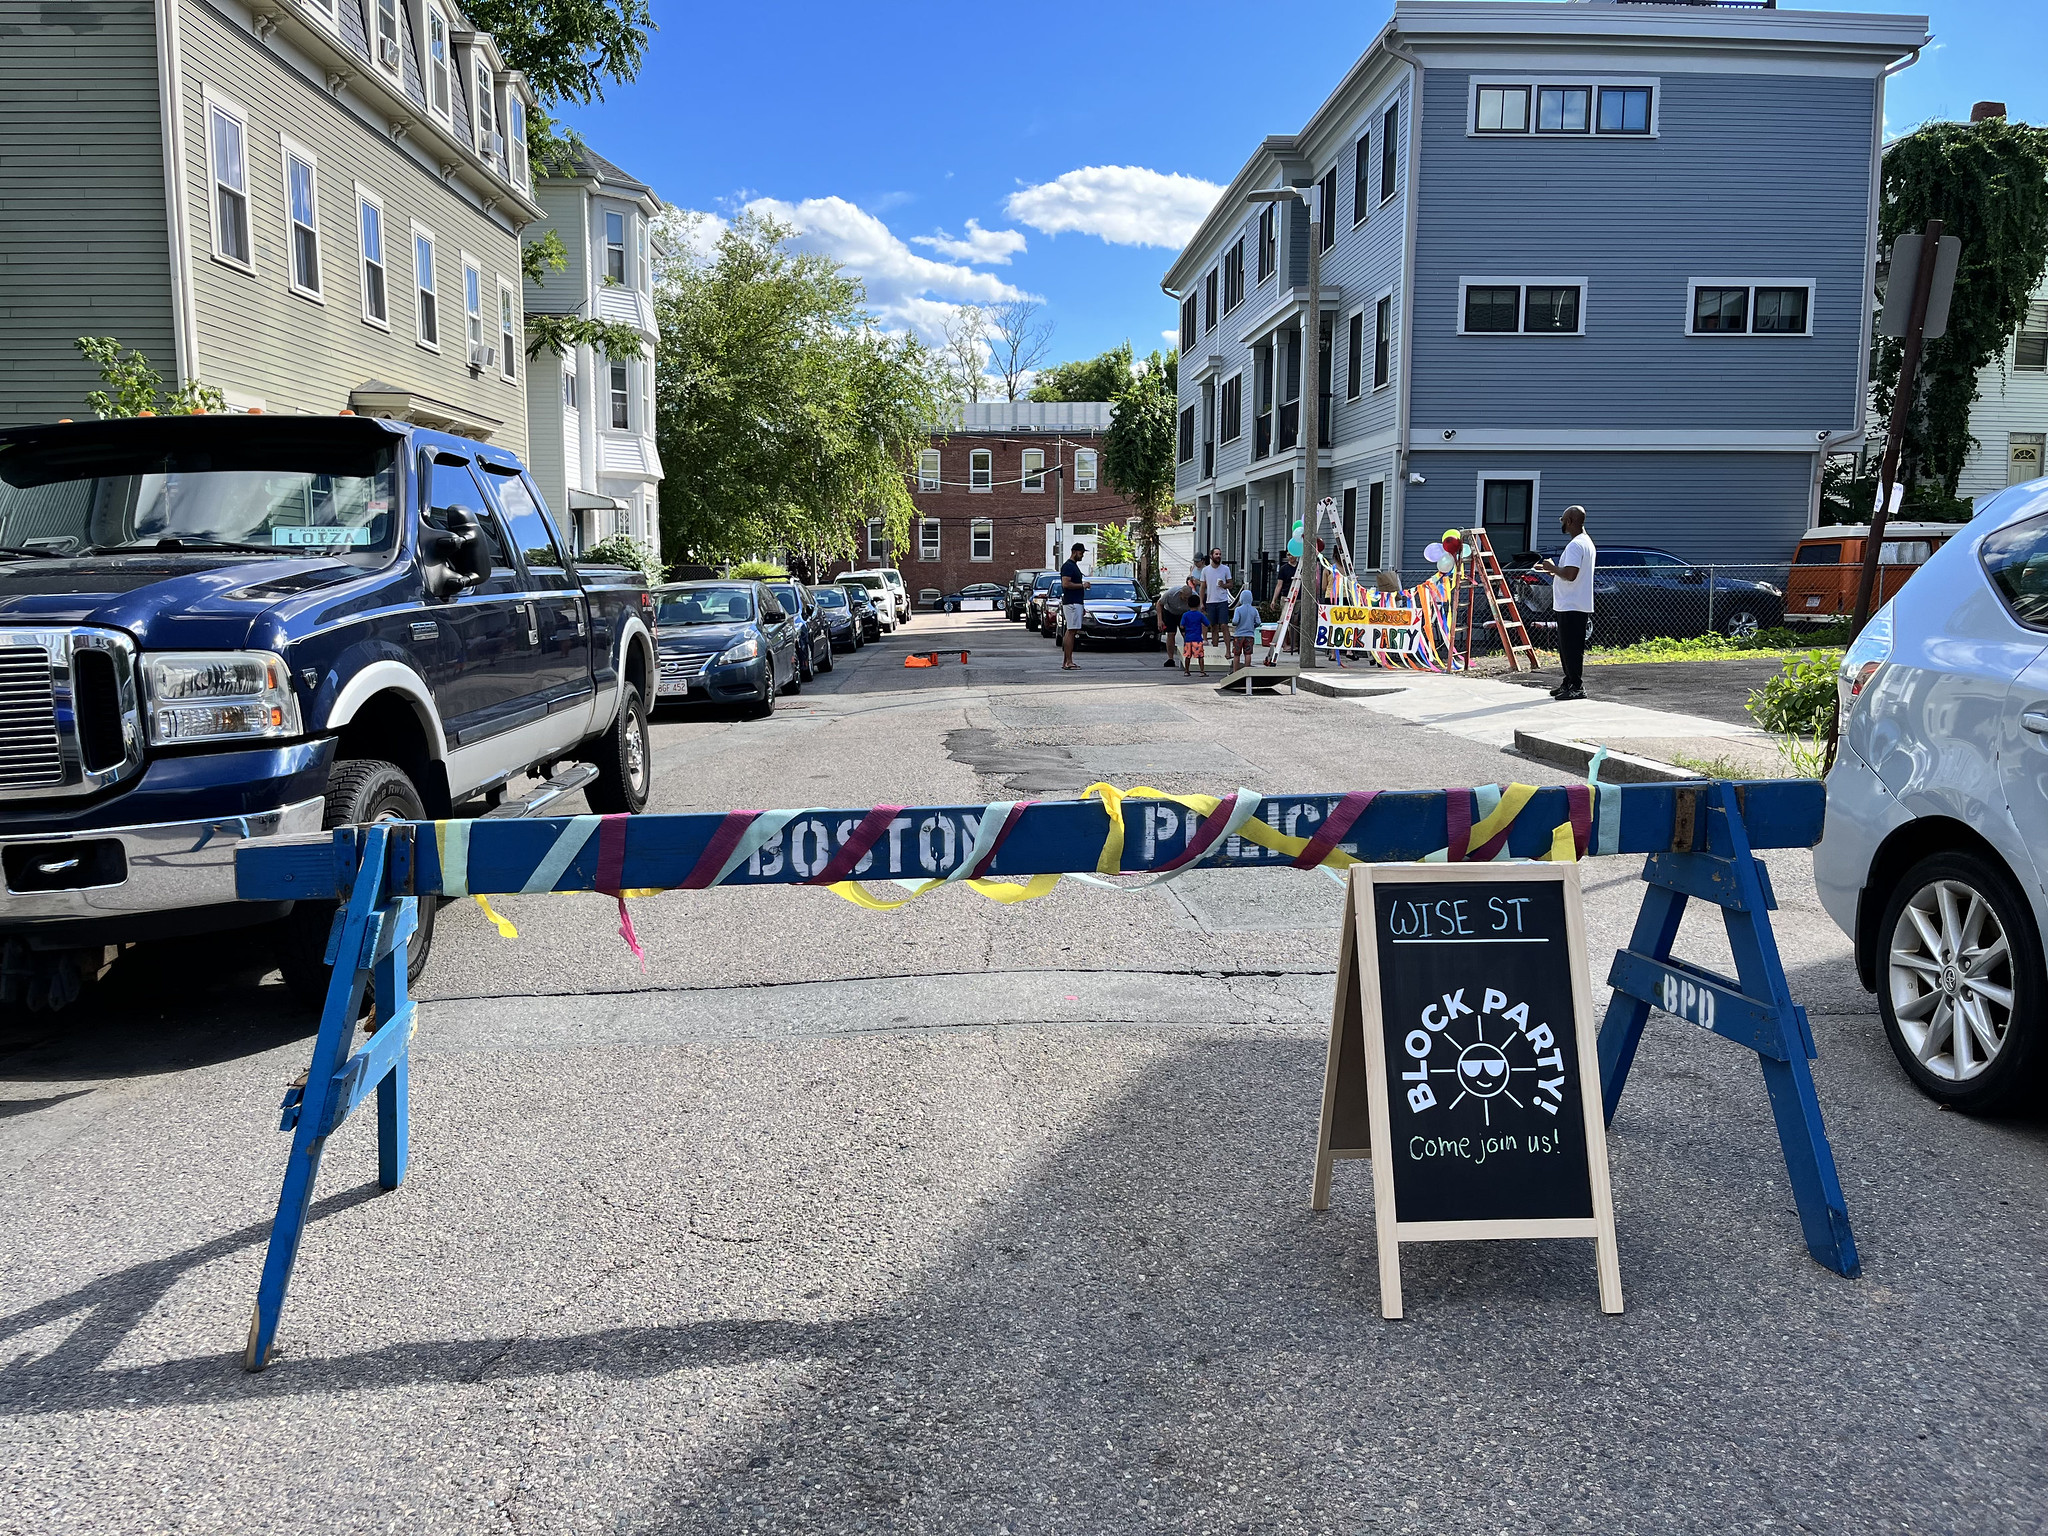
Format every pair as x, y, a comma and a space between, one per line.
218, 696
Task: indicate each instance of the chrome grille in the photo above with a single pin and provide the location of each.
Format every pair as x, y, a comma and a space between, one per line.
686, 664
31, 757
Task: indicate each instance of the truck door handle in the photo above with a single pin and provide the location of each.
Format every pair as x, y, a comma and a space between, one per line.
2035, 720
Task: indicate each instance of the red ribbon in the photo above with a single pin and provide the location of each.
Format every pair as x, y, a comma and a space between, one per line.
1203, 835
1579, 798
1457, 824
718, 850
1335, 825
1009, 825
856, 847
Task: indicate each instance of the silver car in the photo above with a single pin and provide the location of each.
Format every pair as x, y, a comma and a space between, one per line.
1936, 848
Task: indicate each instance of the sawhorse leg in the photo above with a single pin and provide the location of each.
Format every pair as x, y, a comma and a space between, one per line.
370, 938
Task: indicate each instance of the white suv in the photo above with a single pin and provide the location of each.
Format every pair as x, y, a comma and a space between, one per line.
894, 578
1935, 854
884, 597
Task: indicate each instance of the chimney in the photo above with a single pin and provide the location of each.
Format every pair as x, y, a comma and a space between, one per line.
1986, 109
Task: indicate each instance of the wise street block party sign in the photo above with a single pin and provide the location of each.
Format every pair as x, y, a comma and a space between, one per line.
1397, 630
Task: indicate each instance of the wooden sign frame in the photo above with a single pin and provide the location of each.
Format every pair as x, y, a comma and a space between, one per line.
1356, 1115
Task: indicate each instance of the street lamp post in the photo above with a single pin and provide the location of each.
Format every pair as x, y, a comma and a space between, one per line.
1307, 588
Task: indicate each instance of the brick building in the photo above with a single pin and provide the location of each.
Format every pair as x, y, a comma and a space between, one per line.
988, 495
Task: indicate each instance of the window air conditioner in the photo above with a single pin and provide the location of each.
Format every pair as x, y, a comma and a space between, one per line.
482, 357
387, 50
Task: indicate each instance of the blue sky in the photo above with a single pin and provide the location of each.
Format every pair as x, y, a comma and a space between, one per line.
958, 152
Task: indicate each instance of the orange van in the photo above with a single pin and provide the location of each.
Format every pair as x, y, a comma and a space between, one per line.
1822, 586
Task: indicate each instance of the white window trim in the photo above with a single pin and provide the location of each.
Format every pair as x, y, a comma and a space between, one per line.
1521, 285
1749, 329
924, 485
1024, 472
215, 102
1535, 83
1533, 476
979, 528
480, 132
1372, 341
507, 289
626, 390
396, 69
427, 61
517, 170
1221, 384
979, 453
419, 335
365, 195
1094, 478
326, 12
928, 538
290, 149
470, 264
877, 540
604, 245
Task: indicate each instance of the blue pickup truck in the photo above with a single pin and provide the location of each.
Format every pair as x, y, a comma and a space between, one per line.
215, 628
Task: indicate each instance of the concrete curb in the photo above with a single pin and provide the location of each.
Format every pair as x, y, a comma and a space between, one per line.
1343, 686
1615, 768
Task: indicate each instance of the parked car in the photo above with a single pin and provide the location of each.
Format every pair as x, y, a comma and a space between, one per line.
892, 581
1045, 594
842, 624
1829, 564
975, 592
879, 593
1111, 610
725, 642
813, 640
217, 628
1018, 595
1935, 853
1638, 592
865, 613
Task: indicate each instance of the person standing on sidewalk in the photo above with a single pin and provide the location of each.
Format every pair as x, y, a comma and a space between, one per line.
1073, 592
1216, 591
1172, 604
1571, 599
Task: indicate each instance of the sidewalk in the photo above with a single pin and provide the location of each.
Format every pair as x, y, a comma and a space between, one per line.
1485, 710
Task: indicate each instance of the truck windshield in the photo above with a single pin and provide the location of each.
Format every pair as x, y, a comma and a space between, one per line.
166, 504
704, 605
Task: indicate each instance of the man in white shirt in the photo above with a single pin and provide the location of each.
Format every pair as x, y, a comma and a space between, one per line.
1216, 590
1571, 600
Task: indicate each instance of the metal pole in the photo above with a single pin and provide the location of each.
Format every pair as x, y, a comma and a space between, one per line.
1308, 572
1895, 431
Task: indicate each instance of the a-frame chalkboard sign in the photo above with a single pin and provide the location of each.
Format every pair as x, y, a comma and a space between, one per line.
1463, 1062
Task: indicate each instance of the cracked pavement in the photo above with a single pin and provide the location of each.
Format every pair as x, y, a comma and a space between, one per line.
973, 1218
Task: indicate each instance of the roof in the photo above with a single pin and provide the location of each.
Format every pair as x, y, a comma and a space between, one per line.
1034, 416
593, 165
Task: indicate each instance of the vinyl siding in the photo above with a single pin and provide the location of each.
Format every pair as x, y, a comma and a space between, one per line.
260, 339
84, 249
1750, 177
565, 292
1733, 508
2008, 401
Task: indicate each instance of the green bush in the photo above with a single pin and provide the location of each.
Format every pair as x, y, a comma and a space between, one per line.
756, 570
624, 549
1800, 700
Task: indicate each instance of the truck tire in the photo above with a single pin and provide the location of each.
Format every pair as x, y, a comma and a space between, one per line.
625, 760
359, 790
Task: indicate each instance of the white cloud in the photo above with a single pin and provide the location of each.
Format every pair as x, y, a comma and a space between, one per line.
988, 247
1171, 335
1124, 204
904, 288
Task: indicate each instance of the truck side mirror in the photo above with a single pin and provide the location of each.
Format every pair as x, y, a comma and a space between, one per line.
455, 555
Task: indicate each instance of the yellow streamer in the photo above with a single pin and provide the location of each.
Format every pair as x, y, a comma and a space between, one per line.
498, 920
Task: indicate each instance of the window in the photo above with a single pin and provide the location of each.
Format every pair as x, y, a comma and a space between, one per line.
302, 211
640, 251
1507, 508
229, 151
1233, 277
473, 305
1188, 323
1390, 136
928, 469
1564, 109
388, 54
1354, 358
622, 418
1763, 309
1383, 342
569, 383
1361, 174
439, 88
486, 124
981, 470
1034, 469
928, 539
1348, 524
981, 539
2030, 347
1187, 434
1375, 525
1502, 109
528, 527
1233, 409
878, 545
1494, 307
615, 248
1084, 469
370, 236
1326, 207
508, 346
426, 308
1269, 246
515, 138
1209, 301
1625, 109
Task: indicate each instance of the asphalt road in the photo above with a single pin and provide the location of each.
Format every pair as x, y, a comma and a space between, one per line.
974, 1218
1719, 690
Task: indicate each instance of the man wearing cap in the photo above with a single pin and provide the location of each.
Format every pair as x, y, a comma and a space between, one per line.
1073, 592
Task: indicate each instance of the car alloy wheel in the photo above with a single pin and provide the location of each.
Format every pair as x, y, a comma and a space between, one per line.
1742, 624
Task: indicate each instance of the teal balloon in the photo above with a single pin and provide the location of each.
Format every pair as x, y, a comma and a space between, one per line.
1294, 545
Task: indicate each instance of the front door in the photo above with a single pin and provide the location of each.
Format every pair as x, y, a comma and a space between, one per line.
1505, 510
2023, 456
558, 665
481, 669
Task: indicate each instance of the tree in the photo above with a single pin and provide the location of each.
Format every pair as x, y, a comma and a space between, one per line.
136, 389
785, 417
568, 50
1113, 545
966, 350
561, 334
1988, 184
1138, 450
1102, 377
1018, 341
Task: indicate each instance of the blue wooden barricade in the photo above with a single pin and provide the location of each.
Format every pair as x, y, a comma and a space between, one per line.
1700, 838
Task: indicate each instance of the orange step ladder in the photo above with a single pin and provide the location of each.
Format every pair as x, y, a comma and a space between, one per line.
1500, 598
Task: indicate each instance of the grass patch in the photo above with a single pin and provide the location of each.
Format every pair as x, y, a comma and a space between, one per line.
1764, 645
1717, 767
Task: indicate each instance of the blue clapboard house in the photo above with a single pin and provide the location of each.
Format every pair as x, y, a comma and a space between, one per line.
1602, 252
